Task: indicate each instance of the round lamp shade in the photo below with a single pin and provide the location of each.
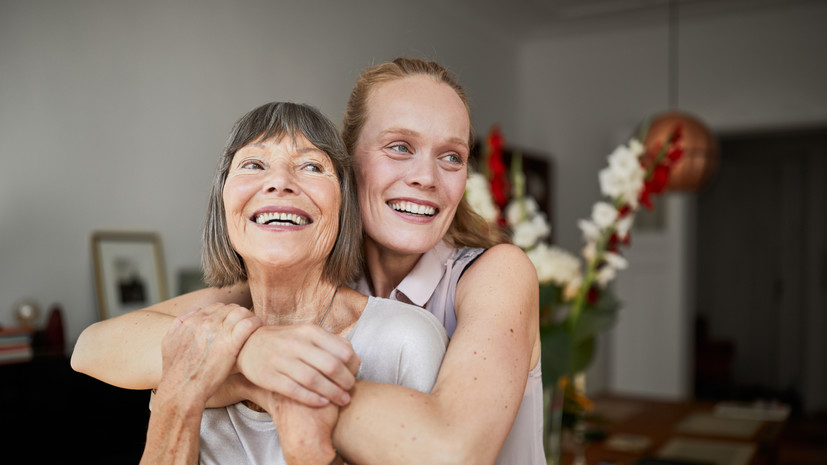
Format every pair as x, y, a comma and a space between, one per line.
700, 149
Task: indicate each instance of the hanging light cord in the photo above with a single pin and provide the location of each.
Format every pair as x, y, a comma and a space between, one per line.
673, 54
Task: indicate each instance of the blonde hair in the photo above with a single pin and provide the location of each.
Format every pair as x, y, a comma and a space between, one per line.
467, 228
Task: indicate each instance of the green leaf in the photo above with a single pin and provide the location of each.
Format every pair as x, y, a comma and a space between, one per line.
596, 318
581, 355
556, 344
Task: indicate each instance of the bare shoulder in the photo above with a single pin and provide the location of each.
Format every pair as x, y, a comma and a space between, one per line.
502, 262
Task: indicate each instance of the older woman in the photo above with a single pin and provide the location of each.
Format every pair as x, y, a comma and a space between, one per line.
283, 216
408, 129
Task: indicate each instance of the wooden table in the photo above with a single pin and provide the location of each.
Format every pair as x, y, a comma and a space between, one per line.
675, 425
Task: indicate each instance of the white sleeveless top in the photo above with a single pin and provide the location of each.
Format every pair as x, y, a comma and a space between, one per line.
432, 285
396, 342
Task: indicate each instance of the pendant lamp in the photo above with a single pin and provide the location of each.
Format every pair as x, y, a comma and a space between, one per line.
700, 149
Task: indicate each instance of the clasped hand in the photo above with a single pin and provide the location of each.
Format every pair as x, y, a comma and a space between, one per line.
293, 372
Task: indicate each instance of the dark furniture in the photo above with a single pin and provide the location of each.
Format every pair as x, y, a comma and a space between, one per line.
52, 414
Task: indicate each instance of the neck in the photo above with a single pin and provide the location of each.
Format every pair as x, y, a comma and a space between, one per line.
386, 267
285, 299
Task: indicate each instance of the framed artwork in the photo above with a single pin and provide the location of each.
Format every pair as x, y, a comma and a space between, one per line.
129, 271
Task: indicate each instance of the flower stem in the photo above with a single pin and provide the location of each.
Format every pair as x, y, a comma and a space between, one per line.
591, 276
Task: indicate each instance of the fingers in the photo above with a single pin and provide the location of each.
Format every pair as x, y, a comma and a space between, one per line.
304, 363
240, 323
323, 375
341, 349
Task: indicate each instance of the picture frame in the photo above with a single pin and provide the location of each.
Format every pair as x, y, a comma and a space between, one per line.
129, 271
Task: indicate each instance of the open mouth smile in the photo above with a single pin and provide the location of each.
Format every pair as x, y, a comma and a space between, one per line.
412, 208
281, 218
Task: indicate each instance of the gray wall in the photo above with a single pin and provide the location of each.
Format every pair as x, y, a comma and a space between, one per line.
112, 114
583, 92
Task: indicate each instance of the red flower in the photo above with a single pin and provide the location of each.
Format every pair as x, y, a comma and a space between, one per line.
615, 242
645, 196
497, 173
624, 210
660, 177
674, 154
593, 296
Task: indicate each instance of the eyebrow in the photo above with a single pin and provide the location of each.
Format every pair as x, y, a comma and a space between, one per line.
410, 132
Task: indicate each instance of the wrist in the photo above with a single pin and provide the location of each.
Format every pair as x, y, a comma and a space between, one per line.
179, 401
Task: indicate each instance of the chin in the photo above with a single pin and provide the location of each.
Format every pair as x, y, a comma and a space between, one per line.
413, 243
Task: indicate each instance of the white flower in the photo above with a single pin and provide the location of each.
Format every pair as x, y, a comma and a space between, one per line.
624, 176
590, 230
624, 225
624, 161
616, 261
572, 288
590, 251
603, 215
555, 265
518, 211
525, 234
605, 275
636, 147
479, 197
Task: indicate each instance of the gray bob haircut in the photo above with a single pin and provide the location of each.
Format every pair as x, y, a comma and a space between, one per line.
222, 265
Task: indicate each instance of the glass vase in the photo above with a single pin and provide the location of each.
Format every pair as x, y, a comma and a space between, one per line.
553, 397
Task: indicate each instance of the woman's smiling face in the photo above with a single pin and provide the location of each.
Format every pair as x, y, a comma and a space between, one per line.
411, 159
282, 202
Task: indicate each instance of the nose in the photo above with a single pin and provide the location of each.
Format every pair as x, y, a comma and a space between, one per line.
281, 179
423, 172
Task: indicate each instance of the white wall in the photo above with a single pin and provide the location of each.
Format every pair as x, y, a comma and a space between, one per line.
744, 70
112, 114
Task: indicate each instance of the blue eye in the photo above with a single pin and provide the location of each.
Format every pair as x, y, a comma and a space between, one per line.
401, 148
454, 158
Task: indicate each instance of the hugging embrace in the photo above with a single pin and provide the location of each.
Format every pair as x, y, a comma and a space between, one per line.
358, 310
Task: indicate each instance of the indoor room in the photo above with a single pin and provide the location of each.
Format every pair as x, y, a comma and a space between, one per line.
681, 320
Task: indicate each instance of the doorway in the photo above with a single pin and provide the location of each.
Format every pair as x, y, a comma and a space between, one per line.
761, 284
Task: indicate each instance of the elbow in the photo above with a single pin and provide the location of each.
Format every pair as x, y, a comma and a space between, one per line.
79, 360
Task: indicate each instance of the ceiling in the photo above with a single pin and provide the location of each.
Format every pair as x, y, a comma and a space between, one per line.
537, 18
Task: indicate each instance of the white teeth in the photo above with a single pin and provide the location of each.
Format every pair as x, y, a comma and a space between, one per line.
410, 207
281, 217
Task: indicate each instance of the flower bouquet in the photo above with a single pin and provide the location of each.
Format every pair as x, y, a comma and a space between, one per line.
576, 302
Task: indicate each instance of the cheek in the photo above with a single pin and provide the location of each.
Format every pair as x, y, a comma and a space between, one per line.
235, 195
327, 197
454, 183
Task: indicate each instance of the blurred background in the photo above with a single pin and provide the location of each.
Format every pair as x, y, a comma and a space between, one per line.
112, 115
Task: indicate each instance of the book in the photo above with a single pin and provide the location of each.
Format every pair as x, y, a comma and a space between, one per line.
15, 344
19, 353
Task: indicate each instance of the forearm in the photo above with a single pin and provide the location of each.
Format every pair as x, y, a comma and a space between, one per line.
126, 351
386, 423
123, 351
173, 432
